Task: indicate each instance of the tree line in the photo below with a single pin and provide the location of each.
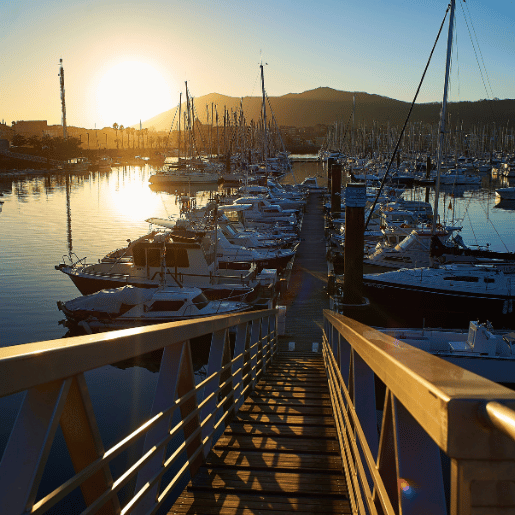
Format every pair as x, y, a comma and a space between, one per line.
51, 146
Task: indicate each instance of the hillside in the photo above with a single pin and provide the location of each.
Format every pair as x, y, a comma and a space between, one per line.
326, 105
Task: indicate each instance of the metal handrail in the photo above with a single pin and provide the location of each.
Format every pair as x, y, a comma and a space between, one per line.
50, 364
500, 417
428, 401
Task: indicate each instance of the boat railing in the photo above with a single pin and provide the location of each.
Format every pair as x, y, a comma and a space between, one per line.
166, 449
71, 259
417, 434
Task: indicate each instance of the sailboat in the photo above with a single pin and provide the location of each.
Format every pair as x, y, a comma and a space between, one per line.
445, 296
190, 171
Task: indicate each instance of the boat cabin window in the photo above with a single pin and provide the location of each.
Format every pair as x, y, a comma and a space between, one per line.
230, 230
151, 256
464, 278
489, 280
232, 216
200, 301
154, 257
176, 257
166, 305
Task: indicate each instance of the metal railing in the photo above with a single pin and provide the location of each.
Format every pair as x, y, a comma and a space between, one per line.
393, 452
52, 374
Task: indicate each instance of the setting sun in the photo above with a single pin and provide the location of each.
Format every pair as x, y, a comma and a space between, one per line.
132, 91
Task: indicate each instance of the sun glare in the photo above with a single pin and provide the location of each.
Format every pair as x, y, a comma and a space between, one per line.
132, 202
132, 91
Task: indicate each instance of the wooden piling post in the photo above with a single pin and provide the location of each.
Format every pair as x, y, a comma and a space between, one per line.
355, 200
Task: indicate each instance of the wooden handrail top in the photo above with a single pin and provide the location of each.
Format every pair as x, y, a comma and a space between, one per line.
31, 364
446, 400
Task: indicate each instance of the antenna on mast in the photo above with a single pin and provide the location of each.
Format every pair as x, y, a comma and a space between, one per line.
63, 103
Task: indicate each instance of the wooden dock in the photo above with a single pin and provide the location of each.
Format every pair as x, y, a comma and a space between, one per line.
306, 296
280, 454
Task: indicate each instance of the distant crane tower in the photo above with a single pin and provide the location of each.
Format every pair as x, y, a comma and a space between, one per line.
63, 103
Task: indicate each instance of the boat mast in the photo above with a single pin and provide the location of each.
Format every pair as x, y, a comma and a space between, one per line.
441, 139
63, 104
265, 135
179, 149
190, 153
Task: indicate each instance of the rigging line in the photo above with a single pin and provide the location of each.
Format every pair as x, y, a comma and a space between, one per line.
479, 48
164, 205
195, 112
277, 128
407, 119
346, 128
467, 205
472, 229
171, 126
258, 77
488, 95
495, 229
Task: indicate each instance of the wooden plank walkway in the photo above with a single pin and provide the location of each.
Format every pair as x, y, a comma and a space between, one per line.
306, 296
280, 454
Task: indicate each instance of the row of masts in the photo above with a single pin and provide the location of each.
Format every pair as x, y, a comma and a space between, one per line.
225, 135
418, 137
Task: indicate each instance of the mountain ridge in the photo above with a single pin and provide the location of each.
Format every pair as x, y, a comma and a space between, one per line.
325, 106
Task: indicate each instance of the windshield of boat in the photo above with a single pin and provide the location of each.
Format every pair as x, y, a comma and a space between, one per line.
200, 301
229, 230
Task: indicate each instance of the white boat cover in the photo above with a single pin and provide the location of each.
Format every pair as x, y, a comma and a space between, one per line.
111, 300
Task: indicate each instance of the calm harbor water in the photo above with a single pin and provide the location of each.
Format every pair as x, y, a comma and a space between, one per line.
43, 218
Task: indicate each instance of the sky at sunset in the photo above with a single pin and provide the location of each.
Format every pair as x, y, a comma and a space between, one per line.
128, 60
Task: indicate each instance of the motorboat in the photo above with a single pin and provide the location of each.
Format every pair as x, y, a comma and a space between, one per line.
130, 306
480, 349
260, 213
231, 255
184, 176
234, 213
185, 263
311, 184
444, 296
459, 176
506, 193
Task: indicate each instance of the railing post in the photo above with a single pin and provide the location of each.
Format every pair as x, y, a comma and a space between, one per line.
239, 349
218, 355
84, 443
265, 340
28, 447
420, 468
174, 359
273, 335
344, 357
255, 335
365, 401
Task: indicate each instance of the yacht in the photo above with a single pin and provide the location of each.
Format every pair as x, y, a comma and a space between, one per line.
130, 306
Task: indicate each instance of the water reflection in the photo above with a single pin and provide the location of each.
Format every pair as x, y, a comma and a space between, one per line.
505, 205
